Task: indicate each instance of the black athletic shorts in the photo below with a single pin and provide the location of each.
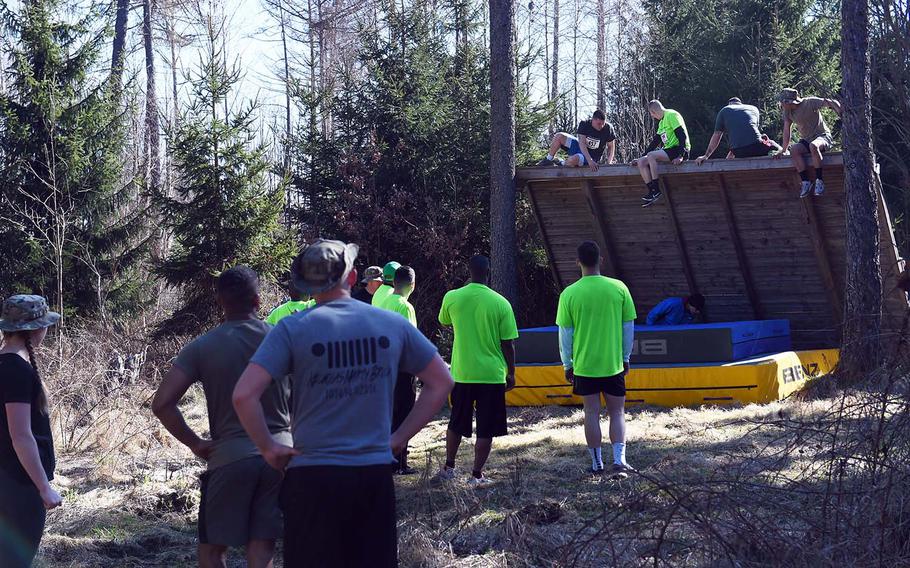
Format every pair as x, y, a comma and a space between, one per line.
613, 386
675, 152
824, 138
754, 150
490, 401
339, 517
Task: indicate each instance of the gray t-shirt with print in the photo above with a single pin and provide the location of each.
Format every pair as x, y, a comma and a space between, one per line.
217, 359
343, 357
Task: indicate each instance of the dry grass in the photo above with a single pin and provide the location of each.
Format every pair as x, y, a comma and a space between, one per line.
794, 483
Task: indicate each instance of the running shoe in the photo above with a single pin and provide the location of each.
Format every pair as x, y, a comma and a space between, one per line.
444, 475
620, 471
819, 187
482, 480
546, 163
652, 199
406, 470
596, 470
805, 188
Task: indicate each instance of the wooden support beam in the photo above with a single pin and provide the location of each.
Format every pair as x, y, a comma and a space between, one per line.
543, 235
817, 236
690, 167
680, 240
600, 228
754, 300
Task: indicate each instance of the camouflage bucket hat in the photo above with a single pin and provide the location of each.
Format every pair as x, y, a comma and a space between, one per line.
322, 265
372, 274
26, 313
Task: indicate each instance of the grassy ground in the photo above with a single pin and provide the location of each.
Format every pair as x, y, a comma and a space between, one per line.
543, 508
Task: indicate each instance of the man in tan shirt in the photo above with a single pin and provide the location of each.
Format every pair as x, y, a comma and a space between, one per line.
815, 138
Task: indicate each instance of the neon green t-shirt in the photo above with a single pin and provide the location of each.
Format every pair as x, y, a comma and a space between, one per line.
288, 308
596, 307
481, 319
667, 126
381, 294
400, 305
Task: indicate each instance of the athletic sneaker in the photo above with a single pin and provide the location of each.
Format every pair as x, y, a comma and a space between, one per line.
482, 480
620, 471
805, 188
596, 470
444, 475
406, 470
546, 162
652, 198
819, 187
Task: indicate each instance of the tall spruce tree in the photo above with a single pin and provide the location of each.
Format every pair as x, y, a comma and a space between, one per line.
71, 227
225, 209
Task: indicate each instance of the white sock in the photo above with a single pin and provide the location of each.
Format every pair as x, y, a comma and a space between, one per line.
597, 461
550, 157
619, 453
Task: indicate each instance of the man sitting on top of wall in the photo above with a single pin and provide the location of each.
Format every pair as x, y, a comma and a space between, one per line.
587, 150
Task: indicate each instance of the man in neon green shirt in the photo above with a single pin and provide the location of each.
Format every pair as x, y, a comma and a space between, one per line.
483, 365
596, 319
405, 395
296, 304
670, 144
388, 285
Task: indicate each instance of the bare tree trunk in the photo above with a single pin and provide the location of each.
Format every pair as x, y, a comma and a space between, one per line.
287, 94
575, 62
554, 86
119, 44
502, 148
601, 55
861, 351
152, 126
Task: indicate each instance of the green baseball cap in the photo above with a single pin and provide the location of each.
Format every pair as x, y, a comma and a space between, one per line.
388, 271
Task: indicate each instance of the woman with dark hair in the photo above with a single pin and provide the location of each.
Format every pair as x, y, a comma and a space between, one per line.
26, 444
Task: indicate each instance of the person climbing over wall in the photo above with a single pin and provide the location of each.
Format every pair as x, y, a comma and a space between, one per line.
483, 364
403, 399
338, 494
388, 283
677, 311
741, 124
239, 491
587, 149
596, 319
297, 303
670, 144
815, 137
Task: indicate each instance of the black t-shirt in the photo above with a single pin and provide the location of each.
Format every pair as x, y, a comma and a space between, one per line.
360, 293
597, 139
20, 383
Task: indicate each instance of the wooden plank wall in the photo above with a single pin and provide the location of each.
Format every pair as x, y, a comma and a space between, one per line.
740, 236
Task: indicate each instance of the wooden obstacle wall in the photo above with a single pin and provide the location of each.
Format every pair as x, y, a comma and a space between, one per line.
733, 230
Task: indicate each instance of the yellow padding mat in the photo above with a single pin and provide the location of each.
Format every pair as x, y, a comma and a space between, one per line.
759, 380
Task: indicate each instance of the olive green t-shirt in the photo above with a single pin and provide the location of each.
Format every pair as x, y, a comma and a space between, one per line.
381, 294
400, 305
596, 307
667, 126
481, 319
808, 118
288, 308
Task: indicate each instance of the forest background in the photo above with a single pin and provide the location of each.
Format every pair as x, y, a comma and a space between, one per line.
136, 162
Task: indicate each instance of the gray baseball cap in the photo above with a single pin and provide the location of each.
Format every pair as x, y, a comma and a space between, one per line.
323, 265
25, 312
372, 274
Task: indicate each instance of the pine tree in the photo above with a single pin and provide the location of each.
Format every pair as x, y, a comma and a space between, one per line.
226, 207
71, 227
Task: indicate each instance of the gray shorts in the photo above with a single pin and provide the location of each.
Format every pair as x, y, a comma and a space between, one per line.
240, 503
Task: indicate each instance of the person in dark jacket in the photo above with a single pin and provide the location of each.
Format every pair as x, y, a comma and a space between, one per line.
670, 144
677, 311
